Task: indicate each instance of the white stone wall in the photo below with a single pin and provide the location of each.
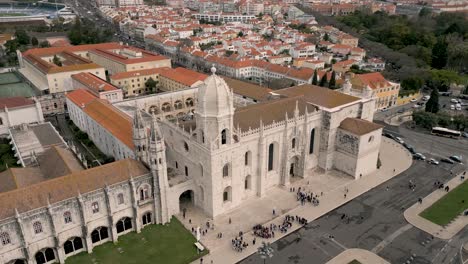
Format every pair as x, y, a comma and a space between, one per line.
20, 115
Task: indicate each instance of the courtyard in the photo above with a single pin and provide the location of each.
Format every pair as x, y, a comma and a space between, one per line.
448, 207
171, 244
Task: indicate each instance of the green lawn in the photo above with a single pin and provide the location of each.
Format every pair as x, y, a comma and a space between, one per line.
171, 244
11, 14
355, 262
448, 207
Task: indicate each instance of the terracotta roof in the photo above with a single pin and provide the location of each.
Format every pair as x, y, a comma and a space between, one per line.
269, 111
317, 95
184, 76
81, 97
359, 126
145, 72
12, 102
55, 50
93, 83
247, 89
112, 119
69, 186
146, 56
374, 80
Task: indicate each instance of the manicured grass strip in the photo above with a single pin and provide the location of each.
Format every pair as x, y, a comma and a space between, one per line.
171, 244
448, 207
354, 262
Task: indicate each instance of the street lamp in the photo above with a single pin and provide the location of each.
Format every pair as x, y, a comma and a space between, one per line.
265, 251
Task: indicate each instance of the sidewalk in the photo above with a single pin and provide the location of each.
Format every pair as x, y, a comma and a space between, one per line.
393, 156
412, 214
361, 255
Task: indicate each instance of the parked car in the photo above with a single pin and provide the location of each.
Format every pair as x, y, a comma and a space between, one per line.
400, 111
449, 161
411, 150
384, 109
419, 156
464, 134
399, 140
453, 100
416, 106
458, 107
434, 162
389, 135
452, 107
426, 97
456, 158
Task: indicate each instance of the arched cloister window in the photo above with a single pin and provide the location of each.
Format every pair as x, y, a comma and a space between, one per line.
99, 234
189, 102
144, 192
166, 107
72, 245
312, 139
45, 256
124, 224
271, 152
67, 218
37, 226
223, 137
178, 105
293, 143
227, 194
146, 218
5, 238
226, 170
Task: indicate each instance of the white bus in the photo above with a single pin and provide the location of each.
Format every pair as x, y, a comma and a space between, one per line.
444, 132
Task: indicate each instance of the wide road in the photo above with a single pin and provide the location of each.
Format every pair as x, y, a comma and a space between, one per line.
376, 220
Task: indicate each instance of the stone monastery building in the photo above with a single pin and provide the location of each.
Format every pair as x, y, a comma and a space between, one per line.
217, 155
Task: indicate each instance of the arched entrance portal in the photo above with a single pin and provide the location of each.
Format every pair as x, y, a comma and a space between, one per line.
294, 169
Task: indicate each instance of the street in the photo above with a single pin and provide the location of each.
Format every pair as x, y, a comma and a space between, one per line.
376, 220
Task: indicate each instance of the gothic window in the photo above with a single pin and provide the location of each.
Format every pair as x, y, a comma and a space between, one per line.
247, 158
146, 218
226, 170
312, 139
223, 137
371, 138
67, 217
293, 143
227, 194
271, 152
99, 234
144, 193
186, 146
73, 245
5, 238
37, 226
120, 198
95, 207
124, 224
248, 182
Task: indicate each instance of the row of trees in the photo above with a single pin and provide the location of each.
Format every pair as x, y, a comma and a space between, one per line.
324, 81
85, 32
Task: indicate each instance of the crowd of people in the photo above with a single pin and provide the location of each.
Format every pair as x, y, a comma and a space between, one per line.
238, 243
304, 197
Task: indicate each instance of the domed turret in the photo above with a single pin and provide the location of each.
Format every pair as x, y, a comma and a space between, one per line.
215, 111
215, 98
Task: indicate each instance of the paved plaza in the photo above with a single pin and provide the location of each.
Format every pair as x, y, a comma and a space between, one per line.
259, 211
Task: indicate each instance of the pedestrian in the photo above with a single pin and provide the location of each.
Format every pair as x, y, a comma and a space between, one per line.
386, 188
190, 221
274, 212
253, 241
183, 212
230, 220
201, 260
345, 195
393, 170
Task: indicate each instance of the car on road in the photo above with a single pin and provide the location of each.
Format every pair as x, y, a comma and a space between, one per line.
453, 100
399, 140
388, 135
413, 100
464, 134
416, 106
433, 161
419, 156
426, 97
452, 107
400, 111
456, 158
449, 161
384, 109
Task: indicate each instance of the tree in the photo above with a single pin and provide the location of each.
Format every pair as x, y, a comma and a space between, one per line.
44, 44
34, 41
240, 34
22, 37
432, 104
324, 81
326, 37
151, 84
314, 79
439, 54
424, 12
412, 83
75, 34
56, 61
332, 83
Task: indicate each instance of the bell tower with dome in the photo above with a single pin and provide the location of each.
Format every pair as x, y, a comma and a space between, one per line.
214, 114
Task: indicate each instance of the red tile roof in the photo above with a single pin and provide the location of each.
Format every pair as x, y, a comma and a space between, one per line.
375, 80
184, 76
93, 83
81, 97
145, 72
13, 102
